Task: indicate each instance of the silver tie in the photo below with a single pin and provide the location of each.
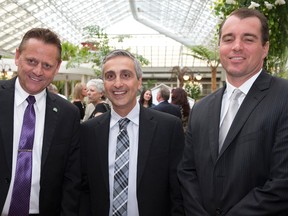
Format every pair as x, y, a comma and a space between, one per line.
121, 170
229, 117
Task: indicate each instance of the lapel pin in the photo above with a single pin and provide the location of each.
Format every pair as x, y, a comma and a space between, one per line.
55, 109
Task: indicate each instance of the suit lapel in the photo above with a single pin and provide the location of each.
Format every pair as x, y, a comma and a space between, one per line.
252, 99
6, 122
101, 147
51, 118
147, 128
214, 121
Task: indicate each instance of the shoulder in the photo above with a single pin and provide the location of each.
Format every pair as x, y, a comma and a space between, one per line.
158, 116
102, 105
76, 102
175, 106
101, 120
5, 84
280, 82
56, 100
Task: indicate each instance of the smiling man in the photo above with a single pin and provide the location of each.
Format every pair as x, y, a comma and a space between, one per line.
135, 161
237, 164
40, 163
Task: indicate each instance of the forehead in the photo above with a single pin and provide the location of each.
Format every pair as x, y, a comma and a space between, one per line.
92, 87
35, 47
236, 25
119, 63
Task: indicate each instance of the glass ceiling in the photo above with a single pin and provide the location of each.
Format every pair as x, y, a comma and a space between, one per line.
159, 29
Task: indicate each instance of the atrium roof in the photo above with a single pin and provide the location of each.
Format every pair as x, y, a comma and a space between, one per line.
188, 22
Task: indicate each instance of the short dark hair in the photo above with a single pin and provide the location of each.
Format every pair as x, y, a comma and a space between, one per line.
43, 34
243, 13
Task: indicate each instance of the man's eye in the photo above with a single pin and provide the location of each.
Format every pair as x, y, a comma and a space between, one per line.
47, 66
227, 39
249, 39
32, 62
109, 76
125, 75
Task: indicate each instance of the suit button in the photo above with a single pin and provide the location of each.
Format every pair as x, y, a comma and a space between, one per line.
218, 211
7, 180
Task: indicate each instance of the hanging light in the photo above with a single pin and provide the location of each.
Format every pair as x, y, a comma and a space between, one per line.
198, 76
186, 77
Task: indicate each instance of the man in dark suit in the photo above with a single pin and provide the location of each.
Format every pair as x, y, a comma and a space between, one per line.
247, 174
55, 165
163, 96
156, 142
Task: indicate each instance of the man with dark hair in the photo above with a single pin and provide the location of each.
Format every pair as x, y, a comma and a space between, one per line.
40, 163
235, 160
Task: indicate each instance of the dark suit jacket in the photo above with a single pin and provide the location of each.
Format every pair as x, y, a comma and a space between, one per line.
161, 142
60, 163
167, 107
250, 175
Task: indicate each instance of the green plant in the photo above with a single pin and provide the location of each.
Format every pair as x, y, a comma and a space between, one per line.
193, 89
276, 13
211, 56
94, 48
150, 84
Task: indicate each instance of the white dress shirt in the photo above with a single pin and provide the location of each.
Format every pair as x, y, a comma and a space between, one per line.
20, 105
133, 133
245, 87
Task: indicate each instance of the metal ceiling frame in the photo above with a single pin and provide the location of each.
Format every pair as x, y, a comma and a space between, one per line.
189, 22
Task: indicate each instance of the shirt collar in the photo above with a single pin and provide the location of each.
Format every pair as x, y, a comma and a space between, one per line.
21, 95
245, 87
133, 116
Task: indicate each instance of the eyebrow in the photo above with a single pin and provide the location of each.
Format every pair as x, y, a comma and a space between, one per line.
245, 35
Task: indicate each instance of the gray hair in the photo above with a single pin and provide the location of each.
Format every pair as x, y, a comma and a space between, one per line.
97, 83
121, 52
164, 92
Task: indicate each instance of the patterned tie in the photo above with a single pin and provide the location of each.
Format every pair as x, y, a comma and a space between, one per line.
121, 170
229, 117
22, 184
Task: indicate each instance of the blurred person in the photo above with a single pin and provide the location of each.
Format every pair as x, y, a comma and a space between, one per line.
146, 98
163, 95
245, 172
53, 88
157, 139
88, 111
79, 94
179, 97
40, 166
96, 96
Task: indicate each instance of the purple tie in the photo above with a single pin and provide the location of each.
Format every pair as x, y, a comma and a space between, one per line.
22, 184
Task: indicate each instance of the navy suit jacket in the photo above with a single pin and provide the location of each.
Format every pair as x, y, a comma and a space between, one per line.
167, 107
250, 175
161, 141
60, 163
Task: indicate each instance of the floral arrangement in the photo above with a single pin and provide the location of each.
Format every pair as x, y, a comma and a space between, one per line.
276, 12
193, 89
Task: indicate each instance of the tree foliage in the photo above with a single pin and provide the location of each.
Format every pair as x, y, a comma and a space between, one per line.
211, 56
93, 49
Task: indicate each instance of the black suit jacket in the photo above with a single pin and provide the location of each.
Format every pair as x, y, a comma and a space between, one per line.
167, 107
161, 142
60, 162
250, 175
